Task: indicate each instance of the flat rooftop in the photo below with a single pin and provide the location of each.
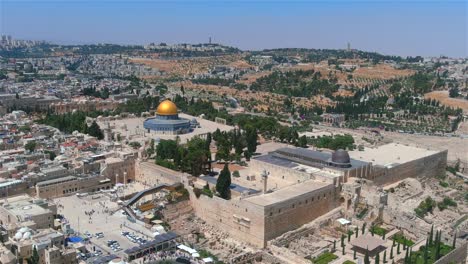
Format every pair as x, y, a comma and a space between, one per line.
392, 153
23, 207
287, 193
55, 181
234, 187
368, 242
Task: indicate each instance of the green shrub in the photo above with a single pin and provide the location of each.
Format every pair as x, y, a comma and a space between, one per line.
324, 258
361, 214
444, 204
425, 207
378, 230
444, 184
207, 192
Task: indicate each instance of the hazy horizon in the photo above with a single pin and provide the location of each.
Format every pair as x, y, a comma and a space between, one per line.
425, 28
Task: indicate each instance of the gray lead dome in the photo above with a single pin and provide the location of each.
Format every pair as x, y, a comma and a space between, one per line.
340, 157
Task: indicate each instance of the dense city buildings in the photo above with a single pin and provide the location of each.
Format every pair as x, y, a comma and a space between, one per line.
204, 153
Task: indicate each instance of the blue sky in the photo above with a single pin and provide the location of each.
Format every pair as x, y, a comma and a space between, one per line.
427, 28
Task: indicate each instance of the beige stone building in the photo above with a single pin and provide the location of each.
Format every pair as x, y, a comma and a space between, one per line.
70, 185
297, 186
50, 246
12, 187
119, 168
260, 218
23, 208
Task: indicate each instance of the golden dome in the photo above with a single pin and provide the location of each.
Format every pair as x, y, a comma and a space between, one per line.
166, 107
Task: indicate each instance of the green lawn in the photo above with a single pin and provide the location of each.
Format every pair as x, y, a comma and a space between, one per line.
349, 262
324, 258
403, 240
378, 230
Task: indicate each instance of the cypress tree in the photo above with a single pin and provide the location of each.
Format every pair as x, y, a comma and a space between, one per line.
363, 228
431, 235
398, 248
437, 245
34, 259
366, 257
344, 246
349, 236
426, 252
383, 236
354, 254
357, 231
223, 183
391, 253
385, 256
334, 245
342, 240
454, 243
377, 258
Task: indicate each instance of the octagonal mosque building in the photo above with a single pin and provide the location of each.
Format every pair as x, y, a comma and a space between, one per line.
167, 121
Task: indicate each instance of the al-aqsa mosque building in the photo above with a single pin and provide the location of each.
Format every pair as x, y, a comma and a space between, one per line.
167, 121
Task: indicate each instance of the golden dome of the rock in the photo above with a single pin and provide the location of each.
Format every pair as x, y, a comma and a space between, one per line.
166, 107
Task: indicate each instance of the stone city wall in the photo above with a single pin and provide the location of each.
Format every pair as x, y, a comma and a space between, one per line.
241, 219
293, 213
430, 166
151, 174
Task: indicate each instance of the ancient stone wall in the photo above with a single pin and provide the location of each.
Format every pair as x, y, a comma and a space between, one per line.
152, 174
293, 213
257, 224
430, 166
254, 257
243, 220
